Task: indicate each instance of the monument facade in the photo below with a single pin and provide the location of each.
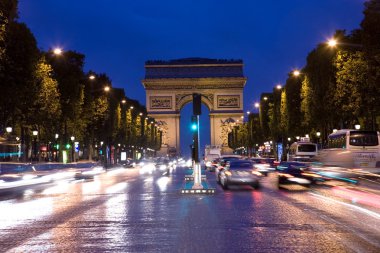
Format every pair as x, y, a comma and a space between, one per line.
169, 87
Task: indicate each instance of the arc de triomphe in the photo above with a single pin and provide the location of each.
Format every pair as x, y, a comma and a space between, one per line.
169, 87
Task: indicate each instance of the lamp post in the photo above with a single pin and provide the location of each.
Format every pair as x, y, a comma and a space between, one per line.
72, 148
318, 139
35, 133
56, 147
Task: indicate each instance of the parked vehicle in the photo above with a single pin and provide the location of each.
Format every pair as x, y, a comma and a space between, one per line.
239, 172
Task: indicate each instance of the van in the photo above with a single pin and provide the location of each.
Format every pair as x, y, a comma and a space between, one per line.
302, 151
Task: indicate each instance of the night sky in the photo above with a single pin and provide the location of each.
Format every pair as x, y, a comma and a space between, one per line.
272, 37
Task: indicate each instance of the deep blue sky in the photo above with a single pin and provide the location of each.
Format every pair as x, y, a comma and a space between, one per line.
117, 36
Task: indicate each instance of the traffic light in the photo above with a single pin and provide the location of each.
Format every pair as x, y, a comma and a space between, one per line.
197, 102
68, 146
194, 123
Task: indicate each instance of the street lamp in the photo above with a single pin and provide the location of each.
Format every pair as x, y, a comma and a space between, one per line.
357, 127
35, 133
278, 86
57, 51
9, 130
91, 77
318, 139
257, 105
72, 138
107, 88
296, 73
332, 42
56, 147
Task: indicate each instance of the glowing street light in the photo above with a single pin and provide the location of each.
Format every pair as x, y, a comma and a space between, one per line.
265, 98
357, 127
332, 42
123, 101
9, 129
257, 105
107, 89
57, 51
318, 134
296, 73
278, 86
91, 77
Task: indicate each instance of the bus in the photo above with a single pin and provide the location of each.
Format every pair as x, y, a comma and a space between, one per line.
302, 151
352, 148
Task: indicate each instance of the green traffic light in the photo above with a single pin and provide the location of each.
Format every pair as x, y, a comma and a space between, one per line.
67, 146
194, 127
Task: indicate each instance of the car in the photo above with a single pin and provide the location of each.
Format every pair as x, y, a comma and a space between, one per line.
129, 163
221, 163
165, 166
264, 165
213, 165
297, 173
240, 172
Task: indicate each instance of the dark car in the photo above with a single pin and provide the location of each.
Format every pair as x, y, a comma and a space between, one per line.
297, 173
240, 172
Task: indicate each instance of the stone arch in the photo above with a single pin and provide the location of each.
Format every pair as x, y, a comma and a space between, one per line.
184, 99
169, 86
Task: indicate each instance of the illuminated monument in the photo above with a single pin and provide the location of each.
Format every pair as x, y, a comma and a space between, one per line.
169, 87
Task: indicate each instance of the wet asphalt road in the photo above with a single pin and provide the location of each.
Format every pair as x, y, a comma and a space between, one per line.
125, 211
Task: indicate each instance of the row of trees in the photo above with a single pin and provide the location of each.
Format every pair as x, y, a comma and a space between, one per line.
50, 92
338, 88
